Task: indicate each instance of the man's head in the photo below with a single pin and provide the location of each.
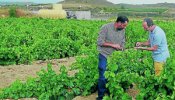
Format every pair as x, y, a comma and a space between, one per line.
147, 24
121, 22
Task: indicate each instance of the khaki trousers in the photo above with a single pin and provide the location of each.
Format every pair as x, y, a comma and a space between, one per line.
158, 66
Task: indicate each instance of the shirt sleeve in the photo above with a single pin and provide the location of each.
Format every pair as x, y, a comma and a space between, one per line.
123, 41
102, 36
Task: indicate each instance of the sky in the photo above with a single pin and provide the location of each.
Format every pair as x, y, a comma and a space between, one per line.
113, 1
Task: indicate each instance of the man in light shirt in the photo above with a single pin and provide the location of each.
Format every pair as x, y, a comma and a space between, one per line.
158, 44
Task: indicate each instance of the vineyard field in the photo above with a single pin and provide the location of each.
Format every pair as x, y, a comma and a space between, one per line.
26, 40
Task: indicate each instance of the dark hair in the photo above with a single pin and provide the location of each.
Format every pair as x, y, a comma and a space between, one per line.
149, 21
122, 19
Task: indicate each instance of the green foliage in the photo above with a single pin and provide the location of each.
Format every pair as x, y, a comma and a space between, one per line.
32, 39
87, 76
51, 86
47, 85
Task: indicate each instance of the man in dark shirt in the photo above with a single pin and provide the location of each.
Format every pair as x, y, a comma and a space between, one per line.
111, 37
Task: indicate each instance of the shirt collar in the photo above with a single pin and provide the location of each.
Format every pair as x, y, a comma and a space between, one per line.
154, 30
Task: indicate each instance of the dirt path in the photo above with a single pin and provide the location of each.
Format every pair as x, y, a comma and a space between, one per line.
9, 74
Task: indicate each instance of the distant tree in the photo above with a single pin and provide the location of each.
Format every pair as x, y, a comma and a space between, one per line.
12, 11
122, 7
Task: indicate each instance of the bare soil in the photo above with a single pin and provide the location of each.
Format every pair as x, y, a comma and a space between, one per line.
4, 13
9, 74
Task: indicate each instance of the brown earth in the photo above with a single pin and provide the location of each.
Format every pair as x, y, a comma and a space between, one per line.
9, 74
19, 13
4, 13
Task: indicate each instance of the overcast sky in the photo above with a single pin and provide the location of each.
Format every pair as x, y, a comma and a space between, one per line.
114, 1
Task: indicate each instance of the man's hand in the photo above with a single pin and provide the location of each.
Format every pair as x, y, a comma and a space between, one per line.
138, 44
116, 46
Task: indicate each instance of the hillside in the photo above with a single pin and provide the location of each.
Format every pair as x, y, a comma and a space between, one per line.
158, 5
16, 3
93, 3
106, 8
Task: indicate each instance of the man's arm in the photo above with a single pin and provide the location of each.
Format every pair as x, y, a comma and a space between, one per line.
156, 43
139, 44
115, 46
154, 48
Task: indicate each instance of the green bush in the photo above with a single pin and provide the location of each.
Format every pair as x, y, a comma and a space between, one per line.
12, 12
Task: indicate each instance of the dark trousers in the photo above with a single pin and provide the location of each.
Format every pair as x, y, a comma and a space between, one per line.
102, 80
